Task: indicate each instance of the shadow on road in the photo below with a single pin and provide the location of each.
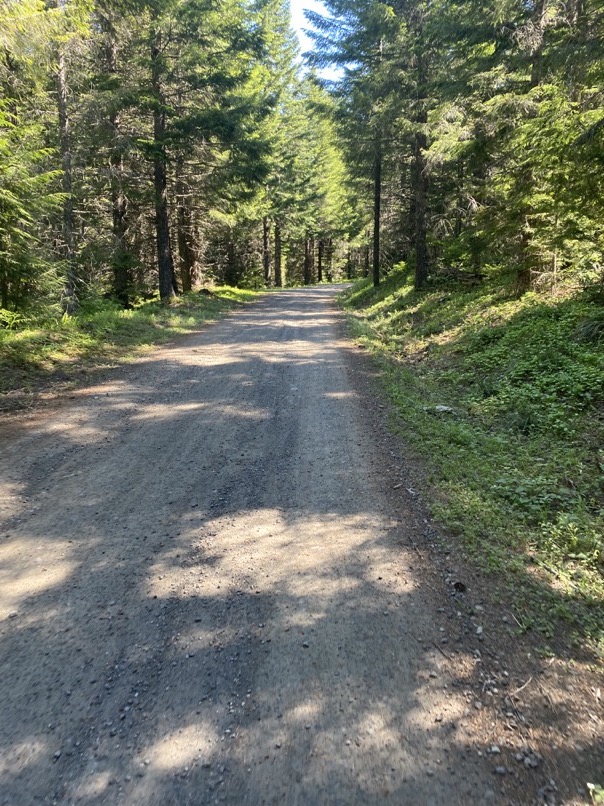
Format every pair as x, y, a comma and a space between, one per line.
207, 598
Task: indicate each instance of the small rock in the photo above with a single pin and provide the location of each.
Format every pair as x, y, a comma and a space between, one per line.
500, 771
494, 750
532, 760
305, 644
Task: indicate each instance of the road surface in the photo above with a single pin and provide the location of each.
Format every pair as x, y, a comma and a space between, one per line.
208, 590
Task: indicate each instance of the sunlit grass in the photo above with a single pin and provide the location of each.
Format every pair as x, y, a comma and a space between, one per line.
43, 347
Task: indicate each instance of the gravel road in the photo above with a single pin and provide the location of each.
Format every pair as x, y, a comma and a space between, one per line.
208, 589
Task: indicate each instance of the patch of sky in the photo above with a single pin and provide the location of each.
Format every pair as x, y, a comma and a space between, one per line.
301, 25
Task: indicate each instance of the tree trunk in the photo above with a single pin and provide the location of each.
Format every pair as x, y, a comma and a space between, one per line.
419, 177
524, 276
70, 300
320, 261
349, 265
329, 269
377, 200
537, 53
231, 273
3, 290
266, 256
119, 203
367, 262
187, 253
278, 274
165, 260
307, 273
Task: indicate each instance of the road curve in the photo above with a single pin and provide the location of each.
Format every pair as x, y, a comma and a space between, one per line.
206, 595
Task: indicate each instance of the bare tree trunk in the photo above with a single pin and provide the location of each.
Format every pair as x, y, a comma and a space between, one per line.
266, 256
231, 273
70, 299
165, 260
278, 272
320, 261
307, 274
329, 269
377, 200
119, 203
3, 290
419, 177
187, 252
524, 276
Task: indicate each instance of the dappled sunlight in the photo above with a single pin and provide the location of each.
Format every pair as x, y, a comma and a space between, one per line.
10, 501
173, 409
178, 748
24, 575
96, 784
345, 395
212, 595
220, 408
80, 431
26, 753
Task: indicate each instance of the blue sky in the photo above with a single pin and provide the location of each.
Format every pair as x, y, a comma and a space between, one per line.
299, 22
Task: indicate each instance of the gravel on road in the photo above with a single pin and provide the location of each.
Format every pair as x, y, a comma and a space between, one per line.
209, 592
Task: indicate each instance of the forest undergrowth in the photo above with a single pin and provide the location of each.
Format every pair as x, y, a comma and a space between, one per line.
41, 348
501, 398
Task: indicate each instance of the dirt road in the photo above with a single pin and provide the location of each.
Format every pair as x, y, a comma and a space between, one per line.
206, 594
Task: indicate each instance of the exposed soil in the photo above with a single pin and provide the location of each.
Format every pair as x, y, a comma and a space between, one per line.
218, 584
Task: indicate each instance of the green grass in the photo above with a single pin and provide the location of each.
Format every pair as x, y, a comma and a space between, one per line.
516, 467
37, 351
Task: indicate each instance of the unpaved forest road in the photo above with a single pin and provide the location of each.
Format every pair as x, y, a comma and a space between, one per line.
205, 595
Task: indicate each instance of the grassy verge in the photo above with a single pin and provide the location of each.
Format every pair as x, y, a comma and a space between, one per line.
35, 352
502, 399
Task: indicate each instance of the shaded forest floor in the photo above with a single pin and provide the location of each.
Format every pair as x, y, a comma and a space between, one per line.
41, 356
501, 398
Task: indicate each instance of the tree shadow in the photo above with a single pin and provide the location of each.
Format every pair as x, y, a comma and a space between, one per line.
207, 597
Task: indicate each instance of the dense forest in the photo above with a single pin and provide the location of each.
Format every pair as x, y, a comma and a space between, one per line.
481, 125
160, 145
164, 144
